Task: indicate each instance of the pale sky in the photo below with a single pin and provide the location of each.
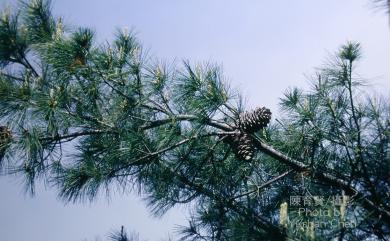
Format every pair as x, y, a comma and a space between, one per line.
264, 48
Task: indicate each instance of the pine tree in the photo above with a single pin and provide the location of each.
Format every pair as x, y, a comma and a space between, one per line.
91, 117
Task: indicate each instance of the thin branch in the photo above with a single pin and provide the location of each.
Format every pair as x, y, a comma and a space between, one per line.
209, 122
264, 185
27, 64
75, 135
12, 77
166, 103
161, 151
116, 90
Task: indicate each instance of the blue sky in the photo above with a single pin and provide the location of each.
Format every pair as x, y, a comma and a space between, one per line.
264, 48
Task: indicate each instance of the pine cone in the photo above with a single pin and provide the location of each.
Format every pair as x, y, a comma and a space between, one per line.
242, 145
253, 121
5, 138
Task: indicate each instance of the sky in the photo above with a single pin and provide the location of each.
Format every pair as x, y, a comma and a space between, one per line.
264, 47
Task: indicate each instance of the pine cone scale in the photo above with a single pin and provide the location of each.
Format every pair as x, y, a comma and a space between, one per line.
248, 123
253, 121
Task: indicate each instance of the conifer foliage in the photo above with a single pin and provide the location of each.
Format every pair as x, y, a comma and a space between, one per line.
5, 138
89, 118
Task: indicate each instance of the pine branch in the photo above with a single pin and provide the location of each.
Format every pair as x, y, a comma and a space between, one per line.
12, 77
274, 232
164, 150
325, 178
264, 185
76, 134
209, 122
27, 64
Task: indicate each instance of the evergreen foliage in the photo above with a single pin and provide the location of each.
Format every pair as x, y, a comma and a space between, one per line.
91, 118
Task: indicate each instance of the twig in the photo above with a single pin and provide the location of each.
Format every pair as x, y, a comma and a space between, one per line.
12, 77
264, 185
